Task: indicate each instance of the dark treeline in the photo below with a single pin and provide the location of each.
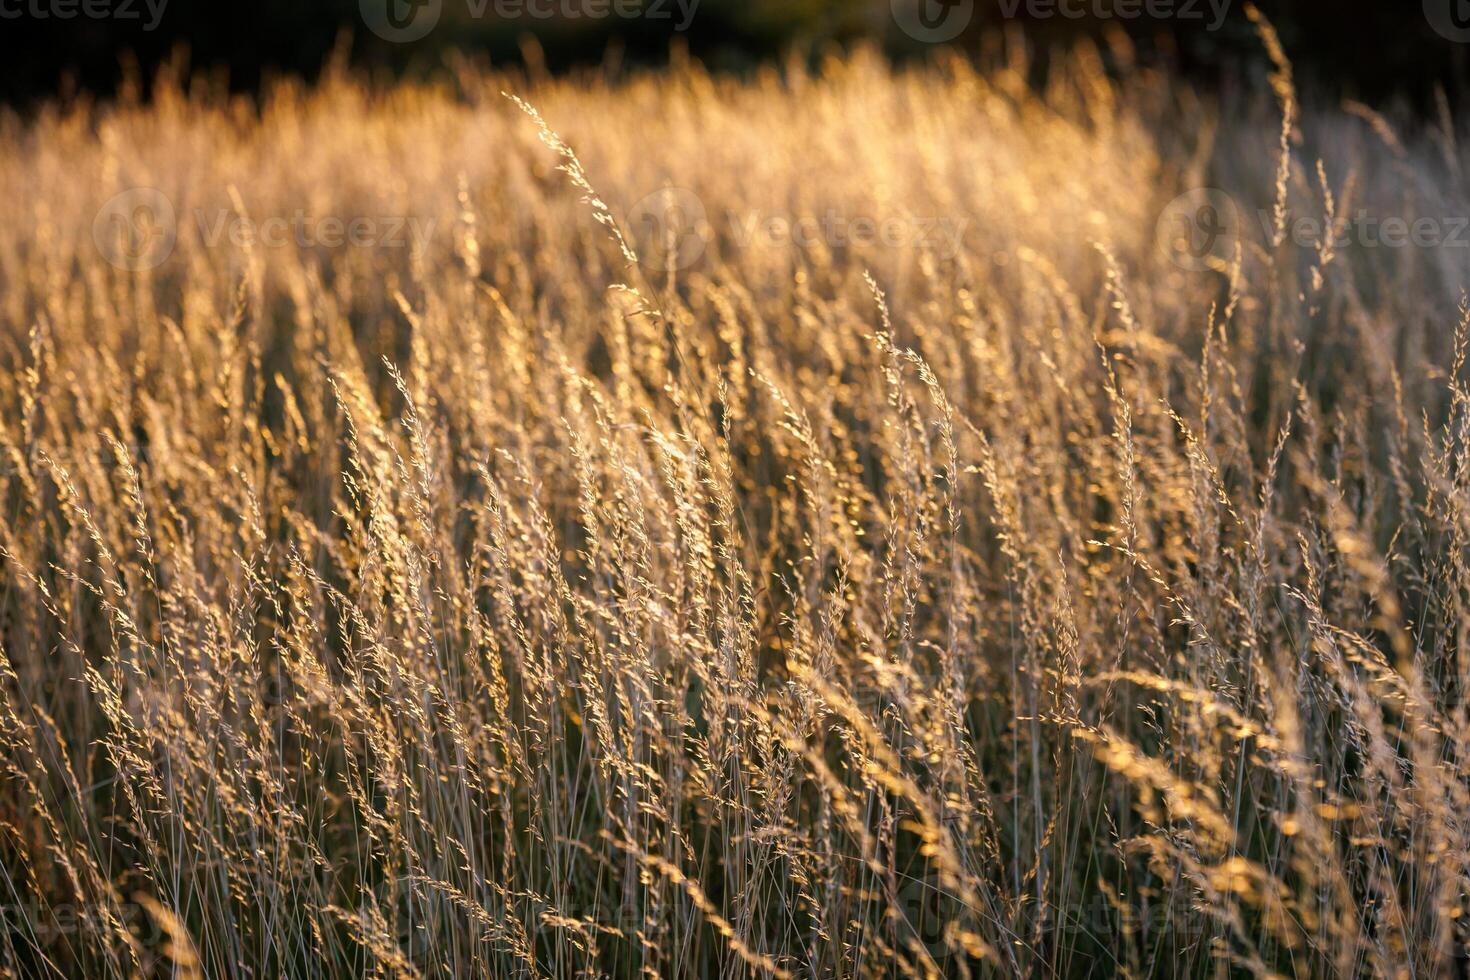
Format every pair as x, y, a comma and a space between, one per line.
1368, 49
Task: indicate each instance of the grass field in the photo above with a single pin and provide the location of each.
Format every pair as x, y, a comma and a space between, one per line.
846, 522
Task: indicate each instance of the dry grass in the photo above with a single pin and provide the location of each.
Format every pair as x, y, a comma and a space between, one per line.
505, 607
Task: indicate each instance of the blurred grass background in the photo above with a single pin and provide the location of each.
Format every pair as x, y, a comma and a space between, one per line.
1374, 51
